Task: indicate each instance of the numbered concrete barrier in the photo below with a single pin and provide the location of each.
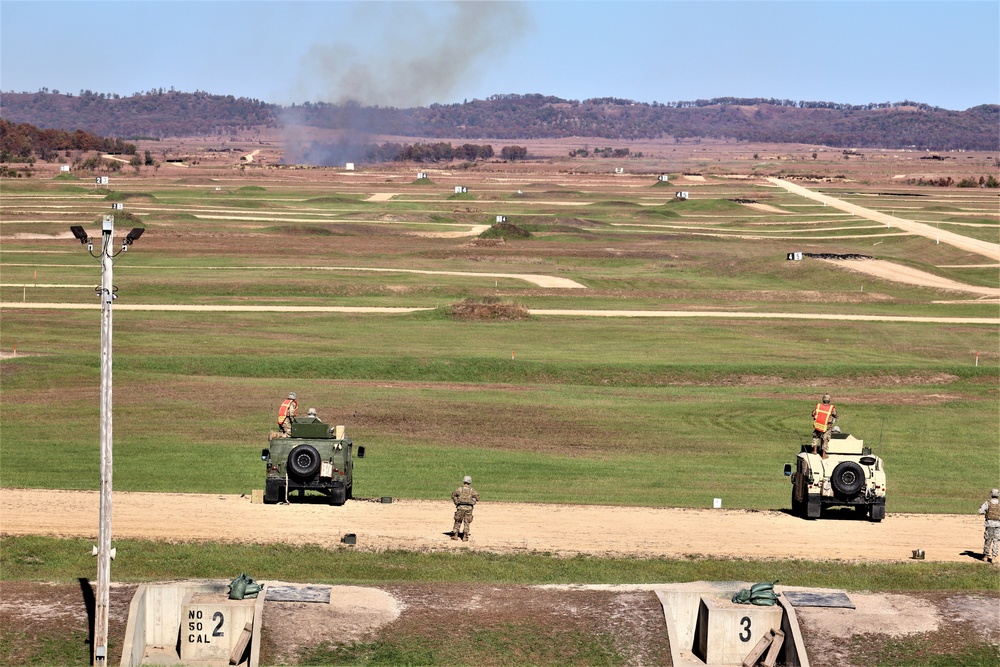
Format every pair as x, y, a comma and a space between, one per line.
211, 625
727, 632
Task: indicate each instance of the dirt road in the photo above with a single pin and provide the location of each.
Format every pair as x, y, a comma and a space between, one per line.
905, 274
985, 248
498, 527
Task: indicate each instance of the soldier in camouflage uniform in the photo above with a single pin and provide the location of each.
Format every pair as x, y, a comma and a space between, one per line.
991, 535
465, 498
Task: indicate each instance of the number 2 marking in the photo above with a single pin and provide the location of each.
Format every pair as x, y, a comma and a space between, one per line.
217, 632
745, 622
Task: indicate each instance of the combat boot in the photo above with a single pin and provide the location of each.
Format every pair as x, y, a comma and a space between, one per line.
465, 537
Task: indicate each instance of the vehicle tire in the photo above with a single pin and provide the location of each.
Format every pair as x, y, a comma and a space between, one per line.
877, 512
848, 478
350, 492
338, 496
303, 461
797, 506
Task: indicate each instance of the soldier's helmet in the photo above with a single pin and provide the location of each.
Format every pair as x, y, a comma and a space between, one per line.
995, 493
466, 480
826, 398
291, 395
311, 412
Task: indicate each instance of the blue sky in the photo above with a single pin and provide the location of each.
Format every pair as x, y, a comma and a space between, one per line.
943, 53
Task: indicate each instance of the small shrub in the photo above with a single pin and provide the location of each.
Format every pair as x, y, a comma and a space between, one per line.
488, 308
123, 219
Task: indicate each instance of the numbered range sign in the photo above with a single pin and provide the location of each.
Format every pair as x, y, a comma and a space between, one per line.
211, 625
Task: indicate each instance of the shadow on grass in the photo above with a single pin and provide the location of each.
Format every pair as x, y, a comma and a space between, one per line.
91, 605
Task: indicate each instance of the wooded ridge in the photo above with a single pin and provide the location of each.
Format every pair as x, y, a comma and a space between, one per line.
508, 117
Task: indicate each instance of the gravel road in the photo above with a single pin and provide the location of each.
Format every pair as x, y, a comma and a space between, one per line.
499, 527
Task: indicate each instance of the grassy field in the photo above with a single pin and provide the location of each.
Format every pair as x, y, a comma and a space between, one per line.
567, 409
672, 412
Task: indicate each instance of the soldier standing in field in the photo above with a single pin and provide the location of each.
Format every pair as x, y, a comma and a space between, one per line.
991, 536
824, 417
288, 410
465, 498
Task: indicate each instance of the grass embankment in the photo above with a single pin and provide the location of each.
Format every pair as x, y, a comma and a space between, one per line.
669, 415
668, 411
52, 559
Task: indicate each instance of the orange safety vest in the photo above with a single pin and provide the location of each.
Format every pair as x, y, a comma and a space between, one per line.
822, 418
289, 408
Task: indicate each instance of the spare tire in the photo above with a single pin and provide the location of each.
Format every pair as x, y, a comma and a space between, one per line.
303, 461
848, 478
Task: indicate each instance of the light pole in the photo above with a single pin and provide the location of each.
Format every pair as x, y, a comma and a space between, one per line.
105, 554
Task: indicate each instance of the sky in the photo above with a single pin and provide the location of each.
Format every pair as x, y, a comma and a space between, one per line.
415, 53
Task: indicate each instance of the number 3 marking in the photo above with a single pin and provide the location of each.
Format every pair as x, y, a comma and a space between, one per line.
745, 622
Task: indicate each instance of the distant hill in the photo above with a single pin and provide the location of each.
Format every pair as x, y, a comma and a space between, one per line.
510, 117
153, 114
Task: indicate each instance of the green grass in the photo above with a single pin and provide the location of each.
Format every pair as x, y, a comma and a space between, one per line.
18, 647
518, 643
670, 410
62, 560
928, 651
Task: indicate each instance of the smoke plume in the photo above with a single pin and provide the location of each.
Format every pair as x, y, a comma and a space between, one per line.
423, 55
420, 59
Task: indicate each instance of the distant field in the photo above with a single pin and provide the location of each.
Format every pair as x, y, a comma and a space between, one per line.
548, 410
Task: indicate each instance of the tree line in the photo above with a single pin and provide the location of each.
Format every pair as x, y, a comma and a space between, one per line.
21, 142
905, 124
437, 152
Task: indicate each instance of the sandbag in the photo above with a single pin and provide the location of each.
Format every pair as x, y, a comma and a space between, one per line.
761, 594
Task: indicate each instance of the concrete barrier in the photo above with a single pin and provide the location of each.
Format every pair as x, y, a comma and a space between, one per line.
704, 627
159, 630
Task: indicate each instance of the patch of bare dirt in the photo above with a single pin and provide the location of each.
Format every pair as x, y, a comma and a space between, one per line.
354, 613
628, 620
937, 622
35, 613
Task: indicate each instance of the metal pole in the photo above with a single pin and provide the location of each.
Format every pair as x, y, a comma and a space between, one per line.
104, 553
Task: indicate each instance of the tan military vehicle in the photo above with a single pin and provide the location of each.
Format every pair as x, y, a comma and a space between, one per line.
850, 476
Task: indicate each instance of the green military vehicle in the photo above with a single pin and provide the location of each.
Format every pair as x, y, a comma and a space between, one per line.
317, 457
851, 476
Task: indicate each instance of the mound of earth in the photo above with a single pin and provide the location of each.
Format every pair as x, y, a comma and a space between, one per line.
486, 309
505, 230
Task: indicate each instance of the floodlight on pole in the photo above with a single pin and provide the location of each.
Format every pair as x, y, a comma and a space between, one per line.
104, 552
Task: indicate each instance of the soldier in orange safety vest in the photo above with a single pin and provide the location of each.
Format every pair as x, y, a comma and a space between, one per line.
289, 408
823, 418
